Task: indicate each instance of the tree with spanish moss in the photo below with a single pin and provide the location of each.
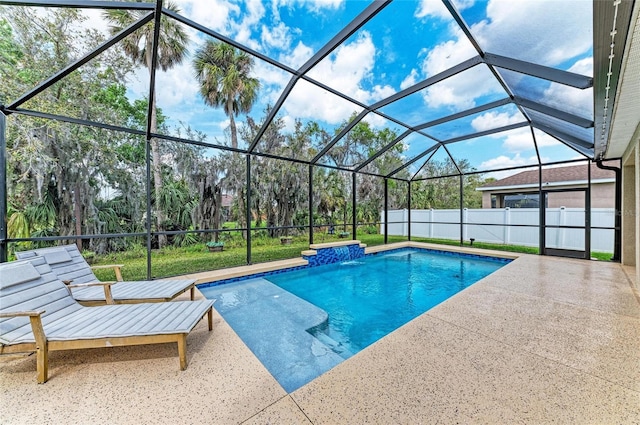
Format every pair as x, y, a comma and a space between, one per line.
172, 48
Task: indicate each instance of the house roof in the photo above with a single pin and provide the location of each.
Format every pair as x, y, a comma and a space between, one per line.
569, 174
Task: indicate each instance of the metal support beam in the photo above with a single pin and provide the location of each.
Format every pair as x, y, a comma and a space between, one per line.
587, 216
273, 112
151, 110
78, 63
450, 72
416, 158
4, 248
383, 150
310, 198
395, 97
367, 14
340, 135
486, 132
413, 178
461, 184
540, 71
542, 213
386, 211
147, 159
346, 32
581, 146
353, 203
248, 209
462, 114
409, 210
152, 71
555, 113
93, 4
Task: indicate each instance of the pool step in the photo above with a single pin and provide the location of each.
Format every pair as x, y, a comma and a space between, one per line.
335, 346
273, 323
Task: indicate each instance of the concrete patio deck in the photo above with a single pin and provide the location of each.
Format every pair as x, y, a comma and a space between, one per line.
542, 340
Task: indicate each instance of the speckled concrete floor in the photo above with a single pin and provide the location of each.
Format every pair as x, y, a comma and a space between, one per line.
543, 340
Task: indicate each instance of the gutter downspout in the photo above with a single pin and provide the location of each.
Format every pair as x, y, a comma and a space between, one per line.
617, 240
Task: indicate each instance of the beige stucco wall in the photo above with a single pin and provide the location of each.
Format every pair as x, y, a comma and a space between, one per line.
602, 196
631, 206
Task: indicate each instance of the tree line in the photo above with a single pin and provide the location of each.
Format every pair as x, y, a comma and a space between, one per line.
66, 179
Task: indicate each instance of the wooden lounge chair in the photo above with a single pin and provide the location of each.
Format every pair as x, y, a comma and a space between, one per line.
71, 267
38, 314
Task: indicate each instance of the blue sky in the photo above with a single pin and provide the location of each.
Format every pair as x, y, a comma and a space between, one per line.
405, 43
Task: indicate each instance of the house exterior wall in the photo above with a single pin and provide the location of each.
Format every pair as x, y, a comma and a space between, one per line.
602, 196
631, 206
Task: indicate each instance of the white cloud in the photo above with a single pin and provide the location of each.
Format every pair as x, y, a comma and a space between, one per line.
298, 56
461, 91
344, 70
504, 161
316, 6
173, 87
376, 121
277, 36
409, 80
544, 140
311, 102
223, 125
493, 119
537, 31
570, 99
438, 10
445, 55
214, 14
519, 140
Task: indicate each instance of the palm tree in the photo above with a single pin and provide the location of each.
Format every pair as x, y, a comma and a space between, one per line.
224, 76
172, 48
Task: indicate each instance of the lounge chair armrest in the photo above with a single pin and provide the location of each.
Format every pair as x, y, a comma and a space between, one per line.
29, 313
116, 268
81, 285
106, 285
35, 318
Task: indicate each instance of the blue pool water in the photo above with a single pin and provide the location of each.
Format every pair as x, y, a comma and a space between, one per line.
302, 323
370, 297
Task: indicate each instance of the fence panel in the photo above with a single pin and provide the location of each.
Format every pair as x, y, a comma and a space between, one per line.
507, 226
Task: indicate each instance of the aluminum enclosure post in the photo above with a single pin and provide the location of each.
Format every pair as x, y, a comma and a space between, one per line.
248, 209
461, 212
353, 203
386, 211
409, 210
310, 204
4, 251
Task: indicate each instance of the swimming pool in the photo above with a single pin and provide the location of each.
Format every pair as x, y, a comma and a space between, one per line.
302, 323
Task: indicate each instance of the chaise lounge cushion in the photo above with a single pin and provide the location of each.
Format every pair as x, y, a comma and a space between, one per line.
69, 265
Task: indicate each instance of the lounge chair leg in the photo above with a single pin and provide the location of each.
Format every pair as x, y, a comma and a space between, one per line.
193, 293
42, 348
210, 317
182, 350
42, 363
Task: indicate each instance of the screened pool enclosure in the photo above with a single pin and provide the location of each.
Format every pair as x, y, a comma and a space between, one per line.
150, 126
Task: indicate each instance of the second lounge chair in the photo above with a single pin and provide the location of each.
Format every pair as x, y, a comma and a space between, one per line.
69, 266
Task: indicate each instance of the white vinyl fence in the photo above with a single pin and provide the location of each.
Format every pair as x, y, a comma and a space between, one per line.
500, 227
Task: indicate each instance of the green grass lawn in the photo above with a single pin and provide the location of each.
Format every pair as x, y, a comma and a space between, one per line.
172, 261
